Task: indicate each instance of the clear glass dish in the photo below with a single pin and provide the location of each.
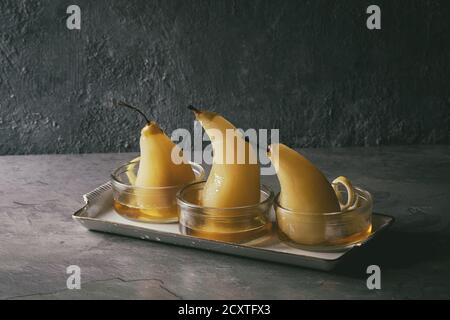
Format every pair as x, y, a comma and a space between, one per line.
154, 205
326, 231
236, 225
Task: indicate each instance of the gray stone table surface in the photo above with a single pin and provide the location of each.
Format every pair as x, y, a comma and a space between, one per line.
39, 239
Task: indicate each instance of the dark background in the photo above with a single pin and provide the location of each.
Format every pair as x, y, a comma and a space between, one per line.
310, 68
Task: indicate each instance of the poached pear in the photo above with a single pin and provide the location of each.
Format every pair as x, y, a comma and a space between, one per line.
304, 188
234, 180
161, 172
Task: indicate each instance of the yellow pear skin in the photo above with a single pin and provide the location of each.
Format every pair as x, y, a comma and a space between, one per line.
156, 167
160, 174
230, 183
304, 188
157, 170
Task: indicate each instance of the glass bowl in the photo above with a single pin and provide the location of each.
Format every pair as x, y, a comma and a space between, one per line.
326, 231
146, 204
236, 225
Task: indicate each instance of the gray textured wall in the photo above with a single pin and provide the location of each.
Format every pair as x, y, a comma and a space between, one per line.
310, 68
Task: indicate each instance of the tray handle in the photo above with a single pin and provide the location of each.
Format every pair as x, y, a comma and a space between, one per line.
97, 192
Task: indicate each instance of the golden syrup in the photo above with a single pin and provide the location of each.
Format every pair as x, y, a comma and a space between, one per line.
154, 215
239, 235
353, 238
337, 242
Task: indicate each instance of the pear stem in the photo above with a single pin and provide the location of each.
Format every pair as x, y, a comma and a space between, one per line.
194, 109
124, 104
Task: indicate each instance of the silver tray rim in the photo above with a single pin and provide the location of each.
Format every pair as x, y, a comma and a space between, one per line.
77, 216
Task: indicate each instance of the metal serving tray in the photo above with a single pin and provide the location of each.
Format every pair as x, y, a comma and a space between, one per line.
98, 214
